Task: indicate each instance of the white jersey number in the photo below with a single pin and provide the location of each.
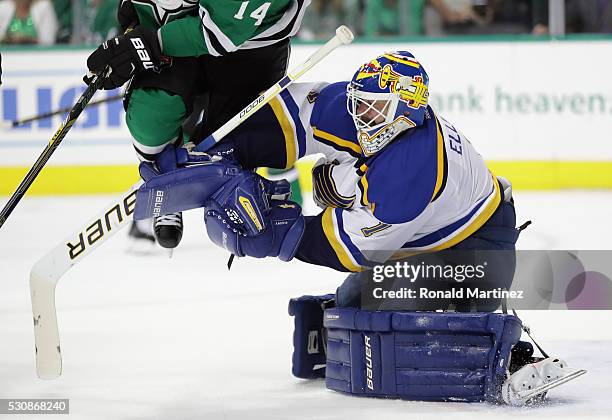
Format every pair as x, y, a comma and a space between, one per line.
258, 14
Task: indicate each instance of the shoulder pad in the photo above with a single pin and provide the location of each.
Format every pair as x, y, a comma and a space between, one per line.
331, 122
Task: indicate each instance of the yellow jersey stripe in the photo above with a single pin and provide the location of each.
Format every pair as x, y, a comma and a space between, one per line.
328, 229
336, 140
364, 190
288, 131
477, 223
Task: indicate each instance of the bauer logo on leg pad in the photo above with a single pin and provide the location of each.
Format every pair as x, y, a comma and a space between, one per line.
157, 204
368, 360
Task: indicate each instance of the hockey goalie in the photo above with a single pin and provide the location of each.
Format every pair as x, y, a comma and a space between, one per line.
395, 178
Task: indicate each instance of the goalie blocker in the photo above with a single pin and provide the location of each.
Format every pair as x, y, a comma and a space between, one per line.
428, 356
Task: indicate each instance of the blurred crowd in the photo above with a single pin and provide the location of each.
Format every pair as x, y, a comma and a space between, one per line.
47, 22
93, 21
388, 18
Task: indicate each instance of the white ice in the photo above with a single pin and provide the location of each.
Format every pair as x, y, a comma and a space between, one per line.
148, 337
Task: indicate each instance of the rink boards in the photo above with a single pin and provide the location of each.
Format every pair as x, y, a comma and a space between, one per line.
539, 111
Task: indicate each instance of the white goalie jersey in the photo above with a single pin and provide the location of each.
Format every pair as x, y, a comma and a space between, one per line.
427, 190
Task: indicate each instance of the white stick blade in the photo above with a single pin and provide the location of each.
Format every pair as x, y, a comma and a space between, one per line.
46, 335
344, 34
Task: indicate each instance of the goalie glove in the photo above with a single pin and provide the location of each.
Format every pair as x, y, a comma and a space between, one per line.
244, 218
125, 56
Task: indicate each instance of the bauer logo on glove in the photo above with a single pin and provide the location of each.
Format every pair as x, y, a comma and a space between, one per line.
122, 57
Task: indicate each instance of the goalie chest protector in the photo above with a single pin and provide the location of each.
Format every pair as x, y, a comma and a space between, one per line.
428, 356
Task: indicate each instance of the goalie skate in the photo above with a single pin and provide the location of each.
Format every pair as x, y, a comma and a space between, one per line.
535, 379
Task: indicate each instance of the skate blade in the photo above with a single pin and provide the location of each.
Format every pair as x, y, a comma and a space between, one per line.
525, 395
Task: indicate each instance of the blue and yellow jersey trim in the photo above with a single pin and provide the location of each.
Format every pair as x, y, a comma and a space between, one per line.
287, 113
346, 252
336, 142
363, 188
458, 231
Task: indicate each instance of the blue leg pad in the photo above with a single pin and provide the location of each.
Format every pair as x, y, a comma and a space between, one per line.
427, 356
308, 336
180, 189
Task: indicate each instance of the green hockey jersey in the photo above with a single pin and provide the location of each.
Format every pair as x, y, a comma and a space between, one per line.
218, 27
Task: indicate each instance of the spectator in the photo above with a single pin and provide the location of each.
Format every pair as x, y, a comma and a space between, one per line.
393, 17
510, 17
591, 16
321, 19
27, 22
582, 16
539, 17
442, 17
104, 25
64, 12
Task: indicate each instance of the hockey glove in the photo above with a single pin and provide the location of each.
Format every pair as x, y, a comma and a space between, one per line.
126, 15
243, 218
125, 56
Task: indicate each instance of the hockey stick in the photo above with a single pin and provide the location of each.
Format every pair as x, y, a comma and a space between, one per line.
57, 138
47, 272
17, 123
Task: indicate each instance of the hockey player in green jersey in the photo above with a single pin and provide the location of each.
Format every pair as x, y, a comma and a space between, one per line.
223, 52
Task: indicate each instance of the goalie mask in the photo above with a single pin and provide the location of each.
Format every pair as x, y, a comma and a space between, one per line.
385, 97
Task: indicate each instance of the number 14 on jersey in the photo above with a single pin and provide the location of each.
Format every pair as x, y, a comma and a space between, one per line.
258, 14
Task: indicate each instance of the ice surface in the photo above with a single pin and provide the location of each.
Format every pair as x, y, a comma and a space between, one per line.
147, 337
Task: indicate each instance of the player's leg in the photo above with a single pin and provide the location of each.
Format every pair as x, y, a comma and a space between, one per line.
154, 118
157, 104
498, 237
349, 292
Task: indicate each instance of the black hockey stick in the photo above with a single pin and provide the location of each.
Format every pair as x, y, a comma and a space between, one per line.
16, 123
75, 111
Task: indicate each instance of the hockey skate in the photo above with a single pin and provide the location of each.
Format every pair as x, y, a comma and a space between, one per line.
531, 382
168, 230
